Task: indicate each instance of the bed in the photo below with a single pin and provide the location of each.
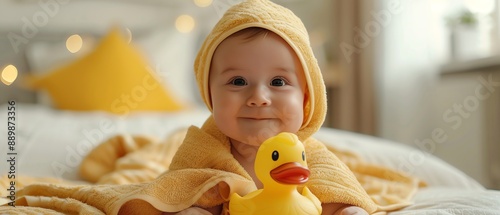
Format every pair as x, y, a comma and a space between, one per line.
49, 138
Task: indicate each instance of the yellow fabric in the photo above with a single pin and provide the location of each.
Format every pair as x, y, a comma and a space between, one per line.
132, 188
133, 184
114, 77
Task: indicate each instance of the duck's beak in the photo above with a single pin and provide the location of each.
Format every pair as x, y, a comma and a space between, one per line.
290, 173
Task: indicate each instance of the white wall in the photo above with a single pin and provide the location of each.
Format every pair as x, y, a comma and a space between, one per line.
464, 122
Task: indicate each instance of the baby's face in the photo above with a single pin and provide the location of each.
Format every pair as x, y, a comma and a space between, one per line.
257, 88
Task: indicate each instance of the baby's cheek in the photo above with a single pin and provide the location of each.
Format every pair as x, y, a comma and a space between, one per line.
295, 113
292, 122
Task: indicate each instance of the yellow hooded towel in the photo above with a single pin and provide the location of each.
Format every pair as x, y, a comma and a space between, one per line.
203, 171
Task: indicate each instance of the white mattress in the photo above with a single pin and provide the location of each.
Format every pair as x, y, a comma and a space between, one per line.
49, 141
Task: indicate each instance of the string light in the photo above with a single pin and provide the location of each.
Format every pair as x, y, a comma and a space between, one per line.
74, 43
203, 3
184, 23
9, 74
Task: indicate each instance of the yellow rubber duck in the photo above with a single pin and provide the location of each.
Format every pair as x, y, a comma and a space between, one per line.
280, 164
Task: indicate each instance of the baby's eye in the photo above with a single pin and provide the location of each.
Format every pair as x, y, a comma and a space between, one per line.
238, 81
278, 82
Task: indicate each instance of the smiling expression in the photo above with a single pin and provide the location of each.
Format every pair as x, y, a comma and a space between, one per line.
257, 88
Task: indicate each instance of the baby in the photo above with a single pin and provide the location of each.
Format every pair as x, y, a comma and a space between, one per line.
258, 76
258, 89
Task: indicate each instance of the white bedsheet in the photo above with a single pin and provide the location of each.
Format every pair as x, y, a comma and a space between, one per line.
450, 191
52, 142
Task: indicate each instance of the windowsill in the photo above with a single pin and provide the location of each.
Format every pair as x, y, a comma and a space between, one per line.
474, 65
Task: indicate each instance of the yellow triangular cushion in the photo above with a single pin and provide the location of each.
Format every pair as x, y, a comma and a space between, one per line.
114, 77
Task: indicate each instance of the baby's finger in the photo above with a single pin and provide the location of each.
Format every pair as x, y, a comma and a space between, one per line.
353, 210
194, 211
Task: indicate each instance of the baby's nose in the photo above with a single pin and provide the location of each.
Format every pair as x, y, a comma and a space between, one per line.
259, 96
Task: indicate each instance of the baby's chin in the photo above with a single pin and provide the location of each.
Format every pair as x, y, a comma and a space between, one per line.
255, 139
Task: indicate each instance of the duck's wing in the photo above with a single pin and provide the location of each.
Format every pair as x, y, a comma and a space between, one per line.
309, 195
241, 205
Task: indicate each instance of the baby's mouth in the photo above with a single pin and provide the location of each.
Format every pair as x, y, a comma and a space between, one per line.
256, 118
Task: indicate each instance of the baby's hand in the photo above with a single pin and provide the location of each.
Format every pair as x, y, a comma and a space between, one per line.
351, 210
194, 211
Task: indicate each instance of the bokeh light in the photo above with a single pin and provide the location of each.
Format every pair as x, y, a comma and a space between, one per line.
185, 23
9, 74
74, 43
203, 3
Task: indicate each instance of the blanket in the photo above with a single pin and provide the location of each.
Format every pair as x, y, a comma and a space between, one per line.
128, 185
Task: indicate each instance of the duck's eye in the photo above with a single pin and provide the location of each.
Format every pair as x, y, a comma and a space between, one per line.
275, 155
303, 156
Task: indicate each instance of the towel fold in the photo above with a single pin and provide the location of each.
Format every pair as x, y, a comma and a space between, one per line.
173, 191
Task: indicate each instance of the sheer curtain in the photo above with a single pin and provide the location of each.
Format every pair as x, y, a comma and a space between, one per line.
352, 99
